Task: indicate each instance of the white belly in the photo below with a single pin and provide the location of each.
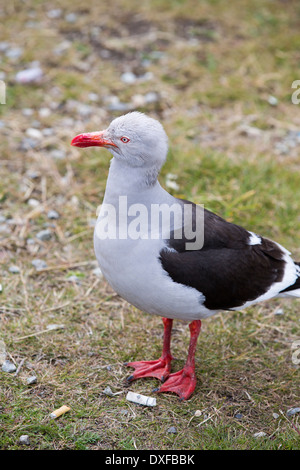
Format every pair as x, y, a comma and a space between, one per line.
134, 271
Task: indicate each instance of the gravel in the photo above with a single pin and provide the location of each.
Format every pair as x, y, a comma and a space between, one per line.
39, 264
52, 214
24, 440
97, 272
44, 235
14, 269
8, 366
293, 411
31, 380
172, 430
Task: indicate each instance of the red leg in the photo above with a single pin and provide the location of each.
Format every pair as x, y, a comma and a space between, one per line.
184, 382
159, 368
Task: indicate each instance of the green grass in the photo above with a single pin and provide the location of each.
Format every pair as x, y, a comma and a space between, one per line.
215, 64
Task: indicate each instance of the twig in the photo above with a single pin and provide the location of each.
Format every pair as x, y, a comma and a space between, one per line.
50, 309
91, 288
78, 235
207, 419
19, 367
38, 333
292, 424
64, 266
25, 293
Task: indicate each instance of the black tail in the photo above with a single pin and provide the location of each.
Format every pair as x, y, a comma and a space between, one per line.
296, 284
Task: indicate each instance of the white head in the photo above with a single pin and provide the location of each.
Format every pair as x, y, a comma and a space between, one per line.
134, 139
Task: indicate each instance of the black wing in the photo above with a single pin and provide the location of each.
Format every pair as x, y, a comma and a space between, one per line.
228, 270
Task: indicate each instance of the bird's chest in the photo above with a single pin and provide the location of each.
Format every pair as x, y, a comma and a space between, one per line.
124, 261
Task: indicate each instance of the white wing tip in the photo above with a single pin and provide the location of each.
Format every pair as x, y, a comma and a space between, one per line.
254, 239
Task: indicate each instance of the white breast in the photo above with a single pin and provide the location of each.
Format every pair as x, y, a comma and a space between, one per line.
133, 269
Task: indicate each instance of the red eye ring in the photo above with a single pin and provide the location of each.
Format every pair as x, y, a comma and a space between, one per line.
125, 140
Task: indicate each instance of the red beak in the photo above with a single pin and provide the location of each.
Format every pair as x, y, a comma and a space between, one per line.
92, 139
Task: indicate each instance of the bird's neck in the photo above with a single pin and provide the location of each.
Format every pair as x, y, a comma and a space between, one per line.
134, 182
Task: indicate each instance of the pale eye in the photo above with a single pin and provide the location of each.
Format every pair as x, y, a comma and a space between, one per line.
125, 140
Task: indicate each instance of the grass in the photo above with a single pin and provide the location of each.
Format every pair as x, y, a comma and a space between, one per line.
214, 65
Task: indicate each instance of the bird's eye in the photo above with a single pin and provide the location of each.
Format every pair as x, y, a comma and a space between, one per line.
125, 140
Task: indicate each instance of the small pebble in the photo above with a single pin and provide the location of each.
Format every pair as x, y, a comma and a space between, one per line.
33, 174
52, 214
129, 78
250, 131
238, 416
54, 13
84, 110
33, 202
119, 106
4, 46
32, 75
57, 154
62, 47
4, 228
172, 430
31, 380
28, 143
35, 124
27, 112
151, 97
8, 366
44, 235
273, 101
138, 101
44, 112
14, 269
71, 17
24, 440
93, 97
293, 411
275, 415
39, 264
14, 53
279, 311
33, 133
97, 272
73, 278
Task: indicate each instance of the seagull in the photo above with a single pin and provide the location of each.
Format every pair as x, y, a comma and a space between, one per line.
171, 257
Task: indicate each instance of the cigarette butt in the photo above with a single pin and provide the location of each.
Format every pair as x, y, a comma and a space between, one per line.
61, 411
140, 399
